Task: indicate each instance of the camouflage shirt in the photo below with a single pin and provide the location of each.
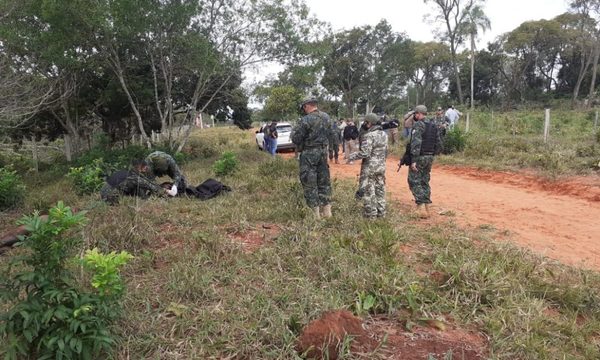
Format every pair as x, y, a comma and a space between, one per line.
161, 164
416, 138
129, 183
313, 130
373, 147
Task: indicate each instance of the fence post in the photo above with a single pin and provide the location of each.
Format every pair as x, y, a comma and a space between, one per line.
468, 121
546, 125
34, 151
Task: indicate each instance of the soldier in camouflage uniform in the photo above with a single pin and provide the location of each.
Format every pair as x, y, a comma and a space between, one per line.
311, 136
161, 164
425, 142
373, 148
132, 183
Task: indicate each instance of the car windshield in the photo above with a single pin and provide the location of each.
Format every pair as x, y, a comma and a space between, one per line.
284, 128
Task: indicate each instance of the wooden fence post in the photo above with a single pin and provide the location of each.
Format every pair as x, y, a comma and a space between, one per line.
468, 122
546, 125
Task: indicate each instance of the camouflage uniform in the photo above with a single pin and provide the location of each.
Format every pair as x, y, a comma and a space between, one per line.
161, 164
418, 181
334, 143
129, 183
312, 136
373, 147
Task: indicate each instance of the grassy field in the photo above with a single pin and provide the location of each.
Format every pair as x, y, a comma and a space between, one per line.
236, 277
514, 140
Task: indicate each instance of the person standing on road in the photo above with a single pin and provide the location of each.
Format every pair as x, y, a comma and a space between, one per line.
311, 136
373, 148
270, 137
350, 140
425, 142
334, 143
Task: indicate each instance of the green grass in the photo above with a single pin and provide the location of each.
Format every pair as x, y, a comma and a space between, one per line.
194, 293
514, 140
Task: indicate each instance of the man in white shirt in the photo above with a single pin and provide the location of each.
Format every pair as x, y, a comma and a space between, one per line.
452, 115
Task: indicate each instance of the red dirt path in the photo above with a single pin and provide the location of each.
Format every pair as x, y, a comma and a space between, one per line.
558, 219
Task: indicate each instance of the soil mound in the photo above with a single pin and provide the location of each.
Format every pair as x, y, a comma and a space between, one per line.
384, 338
323, 337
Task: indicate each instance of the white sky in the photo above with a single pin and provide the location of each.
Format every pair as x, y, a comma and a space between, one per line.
408, 16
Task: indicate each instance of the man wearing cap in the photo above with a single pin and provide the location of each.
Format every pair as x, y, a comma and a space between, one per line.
373, 148
312, 135
425, 142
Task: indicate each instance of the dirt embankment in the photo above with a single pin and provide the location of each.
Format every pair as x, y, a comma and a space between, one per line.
559, 219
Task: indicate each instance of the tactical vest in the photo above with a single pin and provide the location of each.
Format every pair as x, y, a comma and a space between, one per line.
429, 139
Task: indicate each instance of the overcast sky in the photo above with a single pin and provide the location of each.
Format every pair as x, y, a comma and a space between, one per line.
408, 16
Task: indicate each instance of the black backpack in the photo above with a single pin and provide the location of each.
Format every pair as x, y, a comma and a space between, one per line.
208, 189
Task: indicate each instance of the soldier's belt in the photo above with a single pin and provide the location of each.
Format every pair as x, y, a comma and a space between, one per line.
315, 147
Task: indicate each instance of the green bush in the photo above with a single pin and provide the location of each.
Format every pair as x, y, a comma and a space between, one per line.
48, 314
455, 140
226, 165
12, 190
88, 179
115, 159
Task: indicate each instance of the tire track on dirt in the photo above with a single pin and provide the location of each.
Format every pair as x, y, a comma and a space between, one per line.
560, 220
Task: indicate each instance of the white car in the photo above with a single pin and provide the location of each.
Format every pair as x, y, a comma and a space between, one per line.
284, 130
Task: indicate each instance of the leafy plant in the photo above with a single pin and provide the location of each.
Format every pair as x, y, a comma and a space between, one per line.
49, 314
12, 190
455, 140
88, 179
106, 278
364, 303
226, 165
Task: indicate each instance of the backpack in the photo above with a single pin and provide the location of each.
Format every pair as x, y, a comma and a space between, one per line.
208, 189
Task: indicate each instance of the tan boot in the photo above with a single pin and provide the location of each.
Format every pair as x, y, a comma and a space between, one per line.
428, 209
326, 210
422, 211
317, 212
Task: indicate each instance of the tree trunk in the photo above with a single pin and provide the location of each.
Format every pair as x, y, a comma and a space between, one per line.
594, 73
68, 148
585, 64
34, 153
472, 69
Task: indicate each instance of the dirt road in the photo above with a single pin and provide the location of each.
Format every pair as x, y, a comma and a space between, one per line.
560, 220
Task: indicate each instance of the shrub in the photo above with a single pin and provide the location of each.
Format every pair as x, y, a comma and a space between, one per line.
88, 179
114, 159
226, 165
455, 140
48, 314
12, 190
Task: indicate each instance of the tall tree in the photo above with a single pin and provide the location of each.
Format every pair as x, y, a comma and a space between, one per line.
453, 14
476, 21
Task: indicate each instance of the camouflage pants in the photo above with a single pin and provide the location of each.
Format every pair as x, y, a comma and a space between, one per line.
418, 181
374, 195
109, 194
314, 176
